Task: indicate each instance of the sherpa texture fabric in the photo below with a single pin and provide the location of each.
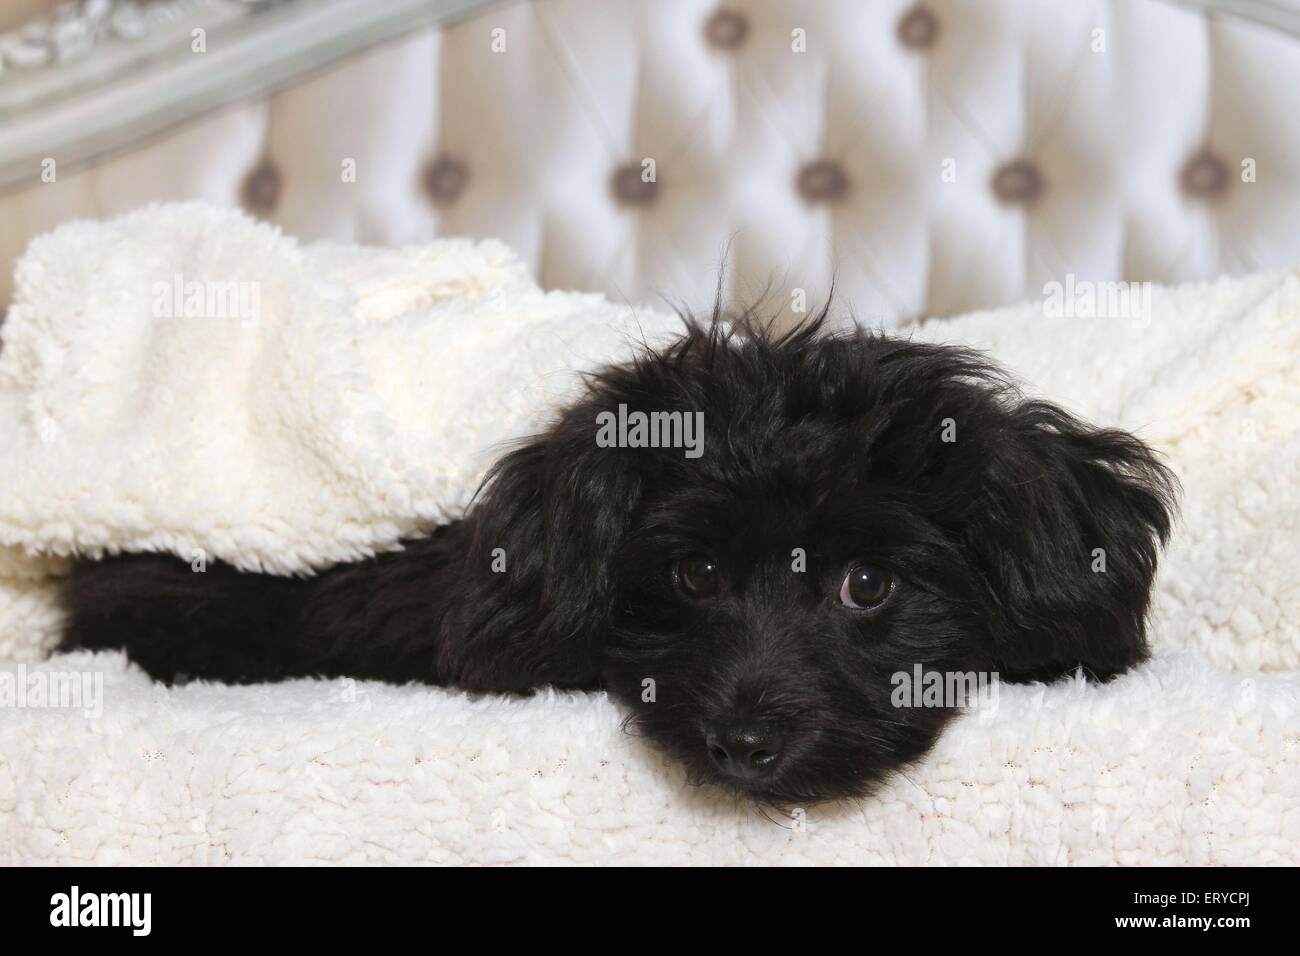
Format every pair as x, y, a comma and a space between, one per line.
1193, 758
280, 407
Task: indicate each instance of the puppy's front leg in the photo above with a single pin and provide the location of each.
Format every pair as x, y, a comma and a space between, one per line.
376, 619
178, 623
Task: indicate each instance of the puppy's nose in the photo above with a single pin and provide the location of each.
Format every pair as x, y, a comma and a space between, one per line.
743, 748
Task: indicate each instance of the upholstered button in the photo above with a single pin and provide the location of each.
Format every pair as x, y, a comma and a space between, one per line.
726, 29
918, 28
822, 180
629, 188
444, 180
261, 191
1205, 176
1017, 183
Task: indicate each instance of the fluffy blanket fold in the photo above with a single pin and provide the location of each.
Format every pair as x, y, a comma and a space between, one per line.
184, 378
280, 407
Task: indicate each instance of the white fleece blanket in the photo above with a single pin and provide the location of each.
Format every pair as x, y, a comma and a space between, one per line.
357, 395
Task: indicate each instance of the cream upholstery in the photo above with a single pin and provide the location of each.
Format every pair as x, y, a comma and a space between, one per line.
935, 158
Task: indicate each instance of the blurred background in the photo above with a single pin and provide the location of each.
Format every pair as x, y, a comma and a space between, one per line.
934, 157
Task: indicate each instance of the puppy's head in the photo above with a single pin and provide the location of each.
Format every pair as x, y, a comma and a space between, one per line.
853, 508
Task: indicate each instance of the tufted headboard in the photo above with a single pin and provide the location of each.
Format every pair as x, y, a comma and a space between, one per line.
932, 157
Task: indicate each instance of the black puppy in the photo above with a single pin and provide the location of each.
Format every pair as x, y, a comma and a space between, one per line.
862, 505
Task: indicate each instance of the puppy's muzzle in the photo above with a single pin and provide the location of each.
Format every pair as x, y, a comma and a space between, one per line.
744, 749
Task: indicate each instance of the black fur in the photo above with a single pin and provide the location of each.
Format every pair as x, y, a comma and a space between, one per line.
829, 443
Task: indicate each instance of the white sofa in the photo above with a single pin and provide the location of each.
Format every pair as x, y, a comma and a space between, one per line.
1110, 140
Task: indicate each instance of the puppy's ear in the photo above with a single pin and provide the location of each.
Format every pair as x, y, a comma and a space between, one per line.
535, 589
1066, 534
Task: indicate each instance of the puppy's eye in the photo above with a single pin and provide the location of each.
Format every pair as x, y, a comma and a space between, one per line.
697, 576
866, 587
